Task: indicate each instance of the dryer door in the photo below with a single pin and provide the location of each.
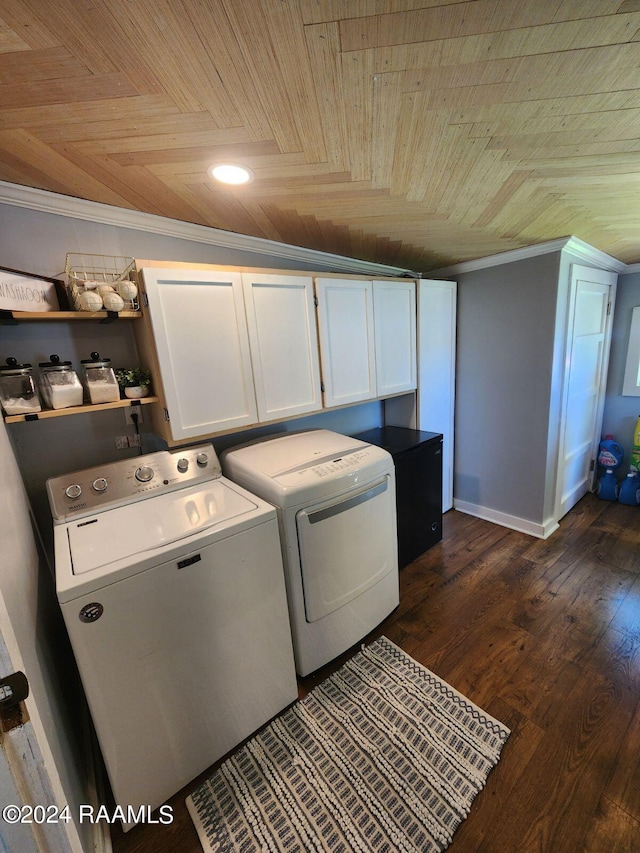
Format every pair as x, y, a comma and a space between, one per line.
347, 545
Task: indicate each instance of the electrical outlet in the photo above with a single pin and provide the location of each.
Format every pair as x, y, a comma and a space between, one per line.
129, 410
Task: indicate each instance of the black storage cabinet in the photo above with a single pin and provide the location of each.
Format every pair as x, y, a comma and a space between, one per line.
417, 456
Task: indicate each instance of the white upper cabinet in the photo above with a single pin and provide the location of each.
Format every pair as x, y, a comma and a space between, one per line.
367, 338
202, 346
345, 324
284, 344
394, 310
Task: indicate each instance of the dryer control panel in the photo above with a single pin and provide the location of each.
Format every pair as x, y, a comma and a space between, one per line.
117, 483
341, 463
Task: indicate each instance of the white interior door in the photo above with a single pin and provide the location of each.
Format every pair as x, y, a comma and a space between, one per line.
589, 333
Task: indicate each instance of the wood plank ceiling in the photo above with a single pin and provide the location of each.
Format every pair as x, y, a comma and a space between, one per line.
410, 132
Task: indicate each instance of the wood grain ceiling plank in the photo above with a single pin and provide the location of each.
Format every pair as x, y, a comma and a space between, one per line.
463, 186
517, 111
44, 160
322, 11
196, 161
502, 197
141, 189
169, 49
571, 152
463, 200
323, 46
513, 222
444, 22
272, 45
72, 92
583, 167
84, 28
132, 123
218, 40
562, 38
387, 108
229, 208
39, 66
357, 75
130, 142
10, 41
27, 26
111, 111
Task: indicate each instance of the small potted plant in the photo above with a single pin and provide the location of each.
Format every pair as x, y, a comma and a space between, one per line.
134, 382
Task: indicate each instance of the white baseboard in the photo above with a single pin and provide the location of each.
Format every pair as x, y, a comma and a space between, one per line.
522, 525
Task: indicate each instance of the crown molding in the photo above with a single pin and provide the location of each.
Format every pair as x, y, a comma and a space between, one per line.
578, 248
631, 268
77, 208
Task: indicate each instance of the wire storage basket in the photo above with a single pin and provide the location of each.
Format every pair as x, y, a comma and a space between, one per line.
103, 276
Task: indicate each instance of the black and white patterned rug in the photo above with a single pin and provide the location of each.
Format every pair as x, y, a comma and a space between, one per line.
382, 756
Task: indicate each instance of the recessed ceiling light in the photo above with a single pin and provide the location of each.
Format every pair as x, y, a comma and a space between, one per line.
231, 173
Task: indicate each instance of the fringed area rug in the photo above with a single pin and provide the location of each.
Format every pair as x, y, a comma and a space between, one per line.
382, 757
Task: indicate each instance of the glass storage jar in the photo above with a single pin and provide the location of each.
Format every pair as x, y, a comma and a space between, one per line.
59, 384
100, 379
18, 395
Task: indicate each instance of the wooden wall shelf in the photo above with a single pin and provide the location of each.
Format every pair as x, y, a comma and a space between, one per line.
78, 410
102, 316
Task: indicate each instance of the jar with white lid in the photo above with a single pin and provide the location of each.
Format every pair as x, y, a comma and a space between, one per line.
100, 379
59, 384
18, 395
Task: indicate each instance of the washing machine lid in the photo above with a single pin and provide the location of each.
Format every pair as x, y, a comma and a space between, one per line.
130, 531
295, 467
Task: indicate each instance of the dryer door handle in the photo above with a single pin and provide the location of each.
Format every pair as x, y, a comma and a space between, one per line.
349, 503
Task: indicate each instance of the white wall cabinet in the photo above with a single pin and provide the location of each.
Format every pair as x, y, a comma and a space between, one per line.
394, 311
367, 335
231, 348
347, 348
284, 344
202, 347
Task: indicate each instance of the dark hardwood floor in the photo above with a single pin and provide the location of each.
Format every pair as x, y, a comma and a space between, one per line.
545, 636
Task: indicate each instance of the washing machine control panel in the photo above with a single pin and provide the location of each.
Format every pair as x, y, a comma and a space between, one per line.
116, 483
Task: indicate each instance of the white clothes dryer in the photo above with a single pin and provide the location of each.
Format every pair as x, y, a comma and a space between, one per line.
335, 498
171, 585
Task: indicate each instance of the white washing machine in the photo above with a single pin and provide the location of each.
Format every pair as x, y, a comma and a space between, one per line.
171, 584
335, 497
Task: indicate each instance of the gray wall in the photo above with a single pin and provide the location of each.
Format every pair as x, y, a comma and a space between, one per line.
505, 360
621, 413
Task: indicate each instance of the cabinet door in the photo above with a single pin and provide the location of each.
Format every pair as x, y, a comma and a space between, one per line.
202, 344
284, 344
394, 309
347, 350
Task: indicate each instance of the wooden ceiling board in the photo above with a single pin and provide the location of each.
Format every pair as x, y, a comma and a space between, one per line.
412, 132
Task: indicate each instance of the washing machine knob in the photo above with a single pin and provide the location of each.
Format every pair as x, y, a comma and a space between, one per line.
144, 474
73, 491
100, 485
202, 459
183, 465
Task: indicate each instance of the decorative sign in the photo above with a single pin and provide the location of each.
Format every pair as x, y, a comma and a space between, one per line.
25, 292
